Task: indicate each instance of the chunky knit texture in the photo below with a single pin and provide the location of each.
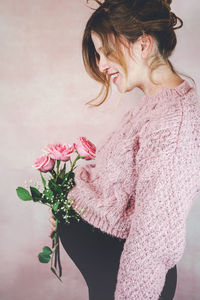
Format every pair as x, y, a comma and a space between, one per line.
141, 186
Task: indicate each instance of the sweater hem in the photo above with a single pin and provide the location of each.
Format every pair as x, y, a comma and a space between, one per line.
95, 220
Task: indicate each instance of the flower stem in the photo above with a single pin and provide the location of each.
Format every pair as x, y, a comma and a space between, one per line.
57, 169
74, 162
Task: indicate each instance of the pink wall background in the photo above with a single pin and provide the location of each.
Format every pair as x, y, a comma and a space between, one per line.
43, 88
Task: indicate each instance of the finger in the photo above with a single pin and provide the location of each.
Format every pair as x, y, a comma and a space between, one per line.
52, 220
53, 224
52, 217
50, 234
53, 227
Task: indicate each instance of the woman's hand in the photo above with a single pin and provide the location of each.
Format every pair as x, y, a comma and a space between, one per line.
53, 224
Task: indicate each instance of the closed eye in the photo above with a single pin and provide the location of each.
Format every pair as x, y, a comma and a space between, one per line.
97, 55
108, 53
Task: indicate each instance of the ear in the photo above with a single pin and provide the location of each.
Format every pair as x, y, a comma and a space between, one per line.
146, 44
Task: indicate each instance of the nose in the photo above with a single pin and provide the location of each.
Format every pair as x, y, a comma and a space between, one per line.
103, 64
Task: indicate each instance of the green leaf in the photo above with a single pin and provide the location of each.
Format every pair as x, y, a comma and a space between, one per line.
56, 205
71, 175
48, 194
66, 175
54, 187
54, 235
69, 179
43, 258
43, 180
35, 194
53, 173
46, 250
23, 194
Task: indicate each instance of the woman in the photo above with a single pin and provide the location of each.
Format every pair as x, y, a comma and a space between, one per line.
135, 199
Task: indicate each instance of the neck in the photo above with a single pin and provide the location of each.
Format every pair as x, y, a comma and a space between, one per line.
162, 77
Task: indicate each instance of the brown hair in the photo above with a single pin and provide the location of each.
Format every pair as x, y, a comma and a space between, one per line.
115, 20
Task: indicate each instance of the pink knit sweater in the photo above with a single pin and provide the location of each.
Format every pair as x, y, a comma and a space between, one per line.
141, 187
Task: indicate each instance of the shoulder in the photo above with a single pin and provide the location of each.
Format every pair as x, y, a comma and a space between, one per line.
170, 122
172, 110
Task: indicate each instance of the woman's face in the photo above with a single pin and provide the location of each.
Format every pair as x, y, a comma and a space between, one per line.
115, 70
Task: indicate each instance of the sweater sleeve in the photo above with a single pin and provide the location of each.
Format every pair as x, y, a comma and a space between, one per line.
168, 171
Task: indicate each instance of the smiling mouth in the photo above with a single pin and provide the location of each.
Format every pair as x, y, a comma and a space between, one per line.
114, 76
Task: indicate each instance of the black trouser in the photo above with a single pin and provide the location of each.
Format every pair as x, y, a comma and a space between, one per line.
97, 256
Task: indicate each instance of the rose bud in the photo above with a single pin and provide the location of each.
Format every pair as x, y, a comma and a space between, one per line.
44, 163
86, 149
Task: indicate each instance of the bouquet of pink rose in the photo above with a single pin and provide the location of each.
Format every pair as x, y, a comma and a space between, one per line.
55, 191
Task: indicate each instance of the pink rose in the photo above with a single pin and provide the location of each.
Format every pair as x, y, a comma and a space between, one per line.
44, 163
86, 149
60, 151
